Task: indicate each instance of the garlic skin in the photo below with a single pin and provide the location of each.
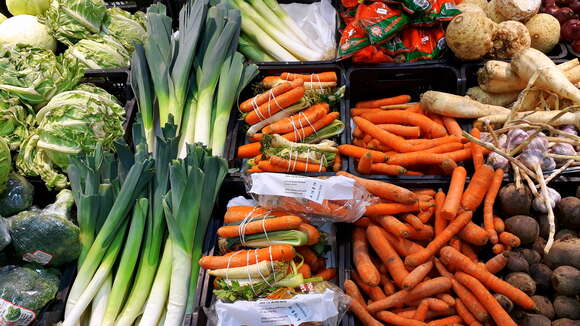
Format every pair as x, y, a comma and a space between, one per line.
498, 161
570, 129
515, 137
538, 203
548, 164
531, 159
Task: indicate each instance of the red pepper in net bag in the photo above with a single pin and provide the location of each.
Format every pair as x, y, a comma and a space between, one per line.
347, 15
353, 39
425, 43
413, 6
349, 3
372, 54
381, 21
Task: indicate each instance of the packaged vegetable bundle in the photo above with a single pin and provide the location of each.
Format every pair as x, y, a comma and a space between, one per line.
291, 124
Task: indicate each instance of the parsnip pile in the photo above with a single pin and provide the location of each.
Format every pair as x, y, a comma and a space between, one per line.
423, 268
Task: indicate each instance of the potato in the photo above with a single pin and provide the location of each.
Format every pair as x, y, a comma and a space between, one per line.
569, 212
531, 256
518, 9
469, 36
504, 301
544, 32
524, 227
566, 280
522, 281
515, 202
544, 306
567, 307
516, 262
542, 275
565, 234
509, 38
534, 320
565, 322
566, 252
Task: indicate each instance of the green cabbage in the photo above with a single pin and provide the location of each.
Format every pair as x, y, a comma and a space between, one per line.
72, 122
16, 121
73, 20
27, 7
26, 30
100, 52
126, 28
36, 75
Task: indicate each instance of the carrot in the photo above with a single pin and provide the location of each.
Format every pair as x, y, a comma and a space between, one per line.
249, 257
391, 209
393, 319
364, 163
337, 165
454, 194
498, 224
274, 106
327, 76
305, 270
428, 127
435, 142
416, 223
422, 309
415, 108
254, 102
365, 267
496, 263
417, 275
362, 222
419, 235
468, 251
387, 254
509, 239
425, 191
384, 190
499, 315
447, 321
375, 293
476, 150
388, 286
445, 148
267, 166
352, 290
415, 173
465, 314
488, 203
401, 245
440, 222
273, 224
422, 290
327, 274
362, 314
450, 231
389, 139
311, 231
239, 213
453, 128
401, 99
392, 225
400, 130
310, 257
300, 134
249, 150
455, 243
477, 188
447, 298
358, 152
425, 216
498, 248
427, 158
387, 169
360, 143
299, 120
452, 257
360, 111
296, 166
474, 234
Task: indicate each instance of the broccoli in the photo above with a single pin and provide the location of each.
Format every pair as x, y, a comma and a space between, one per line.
28, 287
4, 234
47, 236
17, 197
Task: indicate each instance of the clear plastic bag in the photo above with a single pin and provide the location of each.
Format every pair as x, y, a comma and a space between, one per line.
320, 304
331, 199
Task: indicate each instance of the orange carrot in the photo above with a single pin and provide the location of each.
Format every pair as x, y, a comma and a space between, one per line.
415, 108
425, 216
476, 150
254, 102
274, 252
425, 191
474, 234
362, 222
488, 205
311, 231
388, 286
364, 163
496, 263
453, 199
498, 248
450, 256
391, 209
416, 223
358, 152
389, 139
446, 298
299, 120
499, 315
401, 245
273, 224
422, 290
267, 166
375, 293
393, 319
361, 144
468, 251
256, 137
337, 165
422, 309
357, 133
327, 76
498, 224
362, 314
417, 275
433, 247
453, 128
249, 150
445, 148
475, 192
352, 290
403, 131
327, 274
401, 99
393, 225
465, 314
447, 321
427, 158
365, 267
354, 112
310, 258
447, 166
509, 239
456, 243
239, 213
274, 106
388, 255
440, 222
310, 129
387, 169
296, 166
305, 270
385, 190
428, 127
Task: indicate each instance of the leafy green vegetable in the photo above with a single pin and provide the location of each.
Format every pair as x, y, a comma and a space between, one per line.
26, 30
99, 52
16, 121
48, 232
27, 287
73, 20
36, 75
126, 28
71, 122
233, 291
292, 237
18, 196
275, 145
27, 7
5, 164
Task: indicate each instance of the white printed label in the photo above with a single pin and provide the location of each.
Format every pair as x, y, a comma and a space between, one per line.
296, 186
13, 315
314, 307
39, 256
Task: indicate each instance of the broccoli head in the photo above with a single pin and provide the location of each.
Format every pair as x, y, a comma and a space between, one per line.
47, 236
28, 287
17, 197
4, 234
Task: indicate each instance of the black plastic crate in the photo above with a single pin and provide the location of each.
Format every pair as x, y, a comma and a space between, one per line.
571, 53
237, 127
371, 83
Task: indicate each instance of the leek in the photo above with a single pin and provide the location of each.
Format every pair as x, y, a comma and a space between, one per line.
292, 237
265, 41
253, 51
141, 84
335, 128
153, 310
99, 304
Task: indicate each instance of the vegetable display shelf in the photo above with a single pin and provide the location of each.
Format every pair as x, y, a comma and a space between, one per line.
370, 83
237, 128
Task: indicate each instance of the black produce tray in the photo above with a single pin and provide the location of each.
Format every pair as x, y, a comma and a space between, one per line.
237, 127
371, 83
571, 53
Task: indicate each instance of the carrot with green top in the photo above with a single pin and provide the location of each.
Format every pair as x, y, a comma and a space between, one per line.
352, 290
362, 261
300, 134
406, 117
477, 188
474, 234
387, 169
476, 150
364, 163
305, 271
249, 150
393, 319
298, 120
488, 203
400, 99
453, 128
254, 102
296, 165
509, 239
274, 105
417, 275
454, 194
389, 139
327, 76
387, 254
384, 190
311, 231
281, 223
441, 240
310, 257
249, 257
452, 257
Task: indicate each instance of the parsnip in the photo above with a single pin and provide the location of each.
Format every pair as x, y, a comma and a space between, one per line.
500, 99
457, 106
530, 61
539, 117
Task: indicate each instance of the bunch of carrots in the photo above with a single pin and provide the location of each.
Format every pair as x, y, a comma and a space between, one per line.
416, 255
292, 107
395, 137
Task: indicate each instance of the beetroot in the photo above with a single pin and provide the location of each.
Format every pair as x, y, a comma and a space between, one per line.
576, 46
571, 30
563, 14
575, 5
